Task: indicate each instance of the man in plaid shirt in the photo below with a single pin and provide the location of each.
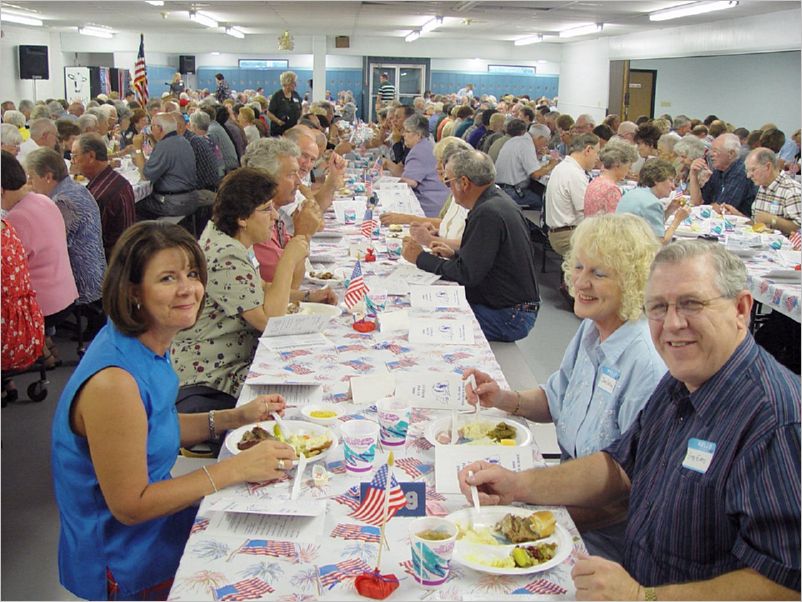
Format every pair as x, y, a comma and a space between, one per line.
778, 202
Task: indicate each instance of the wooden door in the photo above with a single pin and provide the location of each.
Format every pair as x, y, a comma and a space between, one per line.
641, 91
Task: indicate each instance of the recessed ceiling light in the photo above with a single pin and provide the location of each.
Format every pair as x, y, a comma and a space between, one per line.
431, 25
528, 40
581, 31
234, 32
21, 19
687, 10
202, 19
97, 32
412, 36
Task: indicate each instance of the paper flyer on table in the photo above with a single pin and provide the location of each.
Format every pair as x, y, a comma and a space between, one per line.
295, 324
441, 332
412, 275
441, 391
300, 341
450, 459
294, 395
432, 297
274, 506
267, 526
367, 389
390, 321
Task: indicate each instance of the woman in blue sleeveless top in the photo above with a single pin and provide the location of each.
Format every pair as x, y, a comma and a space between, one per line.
116, 432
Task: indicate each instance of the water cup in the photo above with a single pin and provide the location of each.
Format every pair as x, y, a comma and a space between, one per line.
431, 558
359, 445
394, 246
350, 216
393, 421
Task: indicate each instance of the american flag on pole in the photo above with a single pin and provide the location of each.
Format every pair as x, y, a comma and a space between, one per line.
796, 240
356, 287
368, 224
248, 589
141, 74
357, 532
332, 574
371, 508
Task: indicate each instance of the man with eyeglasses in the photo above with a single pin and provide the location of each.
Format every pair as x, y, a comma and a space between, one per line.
711, 466
494, 263
778, 202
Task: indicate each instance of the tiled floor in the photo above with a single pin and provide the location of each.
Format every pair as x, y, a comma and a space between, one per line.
30, 524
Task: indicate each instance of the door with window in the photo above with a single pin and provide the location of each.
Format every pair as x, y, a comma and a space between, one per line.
409, 81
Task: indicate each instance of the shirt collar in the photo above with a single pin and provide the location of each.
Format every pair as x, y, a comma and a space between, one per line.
62, 186
131, 346
614, 346
738, 163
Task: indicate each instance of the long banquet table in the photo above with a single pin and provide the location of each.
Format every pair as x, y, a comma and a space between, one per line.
223, 562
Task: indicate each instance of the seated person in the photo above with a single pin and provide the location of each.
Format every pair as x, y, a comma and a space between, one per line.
610, 367
420, 167
778, 202
322, 190
727, 183
212, 358
710, 468
124, 519
518, 167
495, 262
602, 194
655, 183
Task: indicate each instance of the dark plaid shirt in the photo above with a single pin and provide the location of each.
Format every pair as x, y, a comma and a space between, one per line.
208, 160
115, 199
731, 186
744, 511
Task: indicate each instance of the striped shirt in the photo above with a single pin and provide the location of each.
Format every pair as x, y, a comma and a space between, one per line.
115, 198
783, 197
744, 510
386, 92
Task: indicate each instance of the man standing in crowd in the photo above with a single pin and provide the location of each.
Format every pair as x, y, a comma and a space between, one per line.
386, 92
495, 262
710, 467
728, 182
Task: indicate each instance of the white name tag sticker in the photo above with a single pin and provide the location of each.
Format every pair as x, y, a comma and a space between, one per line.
699, 455
609, 379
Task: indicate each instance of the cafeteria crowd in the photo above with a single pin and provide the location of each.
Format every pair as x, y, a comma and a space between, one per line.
679, 429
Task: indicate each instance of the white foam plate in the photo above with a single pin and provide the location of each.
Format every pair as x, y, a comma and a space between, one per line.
295, 427
320, 309
523, 436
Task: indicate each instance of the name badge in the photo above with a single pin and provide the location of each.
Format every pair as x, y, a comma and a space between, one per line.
609, 379
699, 455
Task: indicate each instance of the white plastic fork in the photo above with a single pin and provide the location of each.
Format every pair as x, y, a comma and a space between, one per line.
299, 471
475, 498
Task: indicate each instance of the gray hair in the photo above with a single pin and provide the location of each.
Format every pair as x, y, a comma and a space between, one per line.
730, 142
108, 110
40, 127
16, 118
588, 118
579, 143
45, 160
87, 121
55, 109
618, 152
100, 115
40, 111
763, 156
93, 143
287, 77
474, 165
25, 104
539, 130
166, 122
729, 271
266, 154
681, 121
9, 134
668, 142
200, 120
417, 124
448, 146
690, 146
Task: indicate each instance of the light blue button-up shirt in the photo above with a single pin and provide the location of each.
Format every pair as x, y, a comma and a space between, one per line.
600, 387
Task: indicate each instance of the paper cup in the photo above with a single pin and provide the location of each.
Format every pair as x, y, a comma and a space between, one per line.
359, 445
394, 246
431, 558
393, 421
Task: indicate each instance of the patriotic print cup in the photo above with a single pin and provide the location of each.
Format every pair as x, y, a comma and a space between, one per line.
359, 445
393, 421
431, 558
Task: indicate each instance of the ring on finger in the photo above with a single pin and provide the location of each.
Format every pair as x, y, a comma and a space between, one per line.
281, 464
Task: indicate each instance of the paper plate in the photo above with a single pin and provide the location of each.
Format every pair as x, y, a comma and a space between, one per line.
295, 427
472, 554
523, 436
320, 309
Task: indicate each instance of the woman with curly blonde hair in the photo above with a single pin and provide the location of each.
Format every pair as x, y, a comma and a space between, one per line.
610, 367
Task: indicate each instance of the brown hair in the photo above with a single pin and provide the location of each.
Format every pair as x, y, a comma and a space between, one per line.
129, 259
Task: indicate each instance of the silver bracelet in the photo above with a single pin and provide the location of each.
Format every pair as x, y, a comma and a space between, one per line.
208, 476
212, 428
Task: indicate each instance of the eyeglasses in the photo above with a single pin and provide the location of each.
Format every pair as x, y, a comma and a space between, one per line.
448, 181
657, 310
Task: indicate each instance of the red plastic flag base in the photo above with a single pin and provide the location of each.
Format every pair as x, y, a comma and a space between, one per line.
370, 256
375, 585
364, 326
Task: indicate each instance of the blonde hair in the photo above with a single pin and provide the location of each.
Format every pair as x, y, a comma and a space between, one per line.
447, 142
625, 245
247, 114
287, 78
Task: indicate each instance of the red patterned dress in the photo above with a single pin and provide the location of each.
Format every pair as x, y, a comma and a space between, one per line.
22, 323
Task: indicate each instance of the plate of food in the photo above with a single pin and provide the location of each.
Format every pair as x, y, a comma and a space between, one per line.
312, 440
484, 431
507, 540
325, 277
321, 413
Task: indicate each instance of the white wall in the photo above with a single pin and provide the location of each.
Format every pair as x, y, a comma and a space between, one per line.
542, 66
584, 78
13, 88
747, 89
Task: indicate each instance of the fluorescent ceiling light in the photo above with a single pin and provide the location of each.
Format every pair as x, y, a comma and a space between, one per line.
528, 40
233, 31
581, 31
155, 2
97, 32
412, 36
687, 10
215, 53
202, 19
431, 25
21, 19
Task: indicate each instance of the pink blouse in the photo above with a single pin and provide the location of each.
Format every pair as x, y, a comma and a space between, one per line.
601, 196
41, 229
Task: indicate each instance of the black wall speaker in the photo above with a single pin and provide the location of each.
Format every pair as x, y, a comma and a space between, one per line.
186, 63
33, 62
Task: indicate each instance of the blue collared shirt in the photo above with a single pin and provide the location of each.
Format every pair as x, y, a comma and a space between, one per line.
743, 509
731, 186
601, 387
